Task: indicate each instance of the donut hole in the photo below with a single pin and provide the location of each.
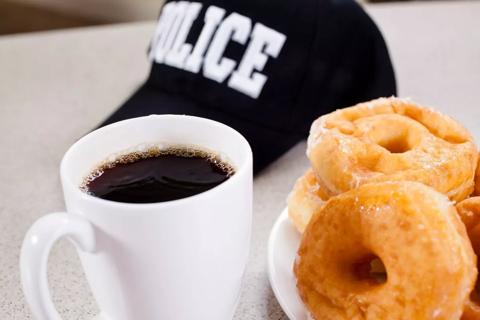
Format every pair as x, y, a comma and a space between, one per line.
391, 132
370, 269
396, 145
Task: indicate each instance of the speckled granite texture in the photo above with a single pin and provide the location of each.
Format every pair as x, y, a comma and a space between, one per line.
55, 87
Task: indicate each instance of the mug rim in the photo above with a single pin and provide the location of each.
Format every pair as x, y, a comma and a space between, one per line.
67, 182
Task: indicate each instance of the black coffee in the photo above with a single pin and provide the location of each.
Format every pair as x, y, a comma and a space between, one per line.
157, 175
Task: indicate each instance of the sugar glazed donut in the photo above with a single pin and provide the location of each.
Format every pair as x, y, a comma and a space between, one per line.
412, 229
391, 139
307, 197
469, 212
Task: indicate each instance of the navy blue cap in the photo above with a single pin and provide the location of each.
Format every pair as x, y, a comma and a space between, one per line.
266, 68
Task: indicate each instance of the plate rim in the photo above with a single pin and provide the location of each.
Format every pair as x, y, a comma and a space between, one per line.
271, 265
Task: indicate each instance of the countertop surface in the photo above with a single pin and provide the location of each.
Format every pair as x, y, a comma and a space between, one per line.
56, 86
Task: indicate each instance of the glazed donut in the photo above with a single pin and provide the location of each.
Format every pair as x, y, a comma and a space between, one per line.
391, 139
469, 212
307, 197
412, 229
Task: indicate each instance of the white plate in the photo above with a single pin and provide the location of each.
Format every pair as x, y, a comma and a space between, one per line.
282, 250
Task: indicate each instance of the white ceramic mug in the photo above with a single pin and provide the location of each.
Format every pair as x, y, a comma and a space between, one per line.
174, 260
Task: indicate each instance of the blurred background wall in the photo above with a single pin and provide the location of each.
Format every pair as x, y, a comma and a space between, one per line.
36, 15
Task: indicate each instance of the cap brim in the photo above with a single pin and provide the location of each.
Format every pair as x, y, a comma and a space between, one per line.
267, 144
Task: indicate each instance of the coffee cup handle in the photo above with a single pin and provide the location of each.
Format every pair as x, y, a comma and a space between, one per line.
34, 257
